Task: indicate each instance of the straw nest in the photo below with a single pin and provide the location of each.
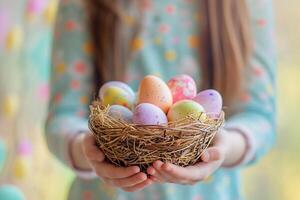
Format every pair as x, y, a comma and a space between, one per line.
181, 142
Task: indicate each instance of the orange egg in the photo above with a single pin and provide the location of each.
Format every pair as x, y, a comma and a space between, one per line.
155, 91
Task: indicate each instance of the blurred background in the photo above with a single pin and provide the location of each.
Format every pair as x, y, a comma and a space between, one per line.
25, 42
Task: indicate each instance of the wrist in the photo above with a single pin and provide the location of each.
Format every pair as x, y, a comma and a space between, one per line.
234, 148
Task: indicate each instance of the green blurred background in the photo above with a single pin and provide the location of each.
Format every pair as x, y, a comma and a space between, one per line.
24, 71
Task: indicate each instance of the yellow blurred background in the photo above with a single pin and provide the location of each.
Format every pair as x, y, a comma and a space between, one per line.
24, 71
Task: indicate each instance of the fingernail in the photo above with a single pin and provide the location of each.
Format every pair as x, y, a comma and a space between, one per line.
136, 169
151, 171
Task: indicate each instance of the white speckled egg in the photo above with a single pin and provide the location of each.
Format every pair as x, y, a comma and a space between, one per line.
120, 113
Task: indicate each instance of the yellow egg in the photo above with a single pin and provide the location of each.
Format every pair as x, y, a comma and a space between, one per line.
155, 91
117, 96
184, 108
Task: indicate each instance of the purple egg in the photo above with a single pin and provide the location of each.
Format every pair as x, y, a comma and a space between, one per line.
149, 114
211, 101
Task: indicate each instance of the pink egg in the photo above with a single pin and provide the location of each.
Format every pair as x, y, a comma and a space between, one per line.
182, 87
149, 114
211, 100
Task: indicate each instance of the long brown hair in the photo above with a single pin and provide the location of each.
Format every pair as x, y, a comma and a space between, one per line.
225, 43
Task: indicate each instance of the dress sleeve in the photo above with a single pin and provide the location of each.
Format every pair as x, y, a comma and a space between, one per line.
71, 80
256, 118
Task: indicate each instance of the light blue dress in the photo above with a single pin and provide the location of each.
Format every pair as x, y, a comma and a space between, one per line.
165, 47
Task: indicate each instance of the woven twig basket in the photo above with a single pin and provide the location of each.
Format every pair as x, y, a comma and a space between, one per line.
123, 144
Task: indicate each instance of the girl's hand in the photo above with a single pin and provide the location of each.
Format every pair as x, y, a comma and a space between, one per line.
213, 158
129, 179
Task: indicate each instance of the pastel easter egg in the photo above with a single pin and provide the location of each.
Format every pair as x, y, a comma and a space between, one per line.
120, 113
117, 96
149, 114
155, 91
211, 100
118, 84
11, 192
182, 87
184, 108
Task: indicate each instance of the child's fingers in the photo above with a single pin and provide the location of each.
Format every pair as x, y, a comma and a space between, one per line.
131, 181
91, 151
155, 175
212, 154
139, 186
107, 170
183, 175
160, 173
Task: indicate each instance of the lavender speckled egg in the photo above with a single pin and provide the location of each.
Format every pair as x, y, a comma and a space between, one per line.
211, 100
149, 114
120, 113
182, 87
118, 84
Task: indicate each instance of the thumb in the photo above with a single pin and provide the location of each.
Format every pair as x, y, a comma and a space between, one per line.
91, 151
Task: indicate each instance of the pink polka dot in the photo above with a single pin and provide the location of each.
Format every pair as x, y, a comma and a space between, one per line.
170, 9
36, 6
43, 92
80, 67
25, 147
257, 71
70, 25
146, 5
75, 84
261, 22
87, 195
80, 113
4, 24
245, 97
58, 98
164, 28
175, 40
197, 197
